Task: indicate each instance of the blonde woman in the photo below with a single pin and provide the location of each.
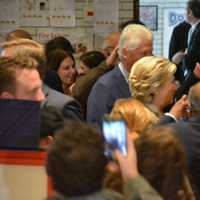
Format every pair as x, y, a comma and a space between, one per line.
135, 114
152, 82
138, 118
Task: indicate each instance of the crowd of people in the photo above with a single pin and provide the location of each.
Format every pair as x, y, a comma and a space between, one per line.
157, 98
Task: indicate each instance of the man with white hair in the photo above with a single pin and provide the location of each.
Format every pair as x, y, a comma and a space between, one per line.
135, 42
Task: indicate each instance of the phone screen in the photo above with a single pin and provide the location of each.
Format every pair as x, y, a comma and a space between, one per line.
114, 132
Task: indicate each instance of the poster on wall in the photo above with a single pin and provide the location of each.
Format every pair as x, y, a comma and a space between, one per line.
34, 13
106, 14
9, 15
149, 16
172, 17
62, 13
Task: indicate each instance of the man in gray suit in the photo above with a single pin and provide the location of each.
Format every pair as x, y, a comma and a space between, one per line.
135, 42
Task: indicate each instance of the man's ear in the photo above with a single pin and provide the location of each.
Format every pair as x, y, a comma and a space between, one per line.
124, 53
190, 13
6, 95
49, 139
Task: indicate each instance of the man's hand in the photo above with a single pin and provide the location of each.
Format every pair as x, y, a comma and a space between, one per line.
196, 70
112, 58
127, 164
177, 58
180, 108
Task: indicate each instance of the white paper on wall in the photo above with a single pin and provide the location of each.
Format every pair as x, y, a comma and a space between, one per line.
62, 13
34, 13
9, 15
106, 15
47, 34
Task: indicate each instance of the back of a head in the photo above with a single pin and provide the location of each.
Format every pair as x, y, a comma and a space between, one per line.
8, 69
194, 98
58, 43
136, 116
23, 47
76, 160
26, 48
147, 75
92, 58
194, 6
17, 34
161, 160
132, 36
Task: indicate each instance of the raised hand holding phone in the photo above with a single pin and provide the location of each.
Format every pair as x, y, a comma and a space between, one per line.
114, 132
127, 164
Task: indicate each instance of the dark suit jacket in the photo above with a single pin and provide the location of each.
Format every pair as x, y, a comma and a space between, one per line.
110, 87
190, 80
193, 52
178, 41
189, 133
19, 124
67, 105
189, 61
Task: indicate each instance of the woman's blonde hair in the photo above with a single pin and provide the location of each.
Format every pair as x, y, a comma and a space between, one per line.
147, 75
134, 113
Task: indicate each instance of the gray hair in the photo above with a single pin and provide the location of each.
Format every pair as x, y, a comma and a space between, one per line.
132, 35
194, 98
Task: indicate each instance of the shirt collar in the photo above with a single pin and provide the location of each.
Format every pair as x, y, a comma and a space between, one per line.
123, 70
195, 24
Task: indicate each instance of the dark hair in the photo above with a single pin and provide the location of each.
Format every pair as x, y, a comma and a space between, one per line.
76, 160
53, 80
132, 21
194, 6
51, 120
92, 58
18, 33
161, 160
8, 68
58, 43
56, 57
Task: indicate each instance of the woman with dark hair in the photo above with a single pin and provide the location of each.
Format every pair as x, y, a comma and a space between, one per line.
63, 63
58, 43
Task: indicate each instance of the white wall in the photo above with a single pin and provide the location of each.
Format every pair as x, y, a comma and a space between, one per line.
83, 29
159, 34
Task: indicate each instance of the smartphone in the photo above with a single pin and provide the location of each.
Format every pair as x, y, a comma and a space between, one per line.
114, 132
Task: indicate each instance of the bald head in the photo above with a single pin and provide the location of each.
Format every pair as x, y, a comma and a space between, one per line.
110, 42
194, 98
